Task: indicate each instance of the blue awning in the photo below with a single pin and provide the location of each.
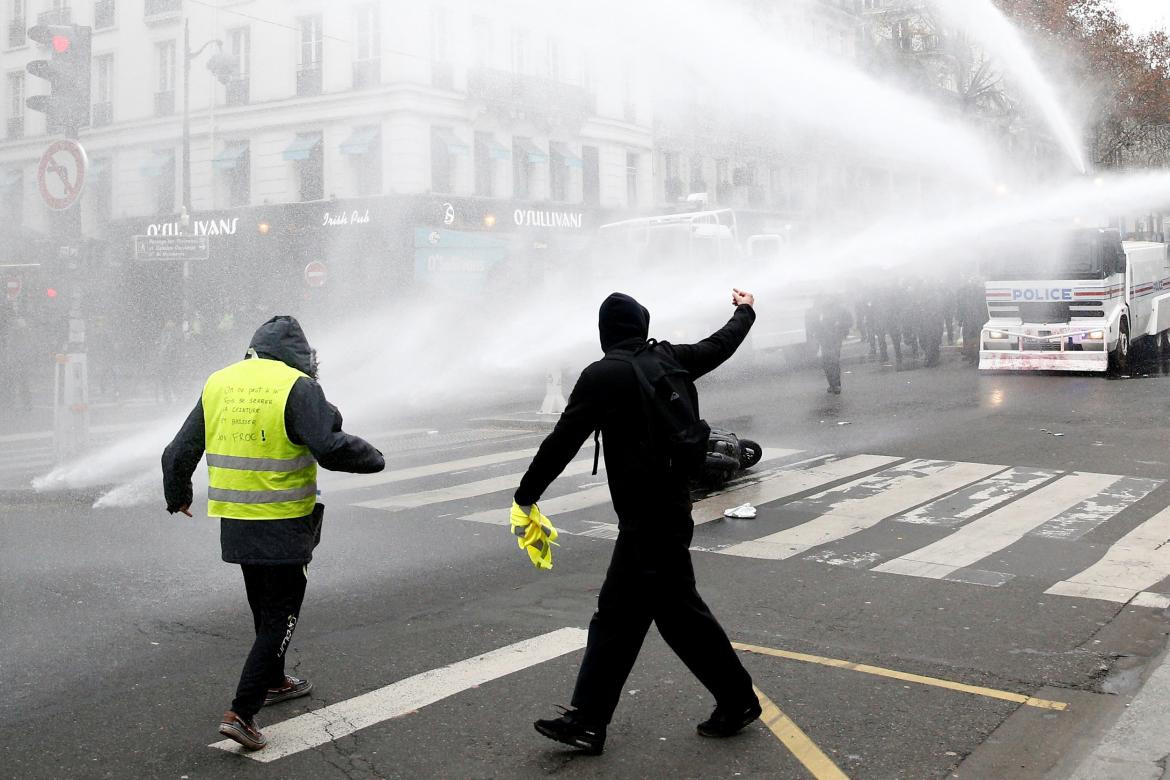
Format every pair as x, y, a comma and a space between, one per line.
452, 141
492, 148
568, 156
232, 155
361, 140
303, 146
158, 162
534, 153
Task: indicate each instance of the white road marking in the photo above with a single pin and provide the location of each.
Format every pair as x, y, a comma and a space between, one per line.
984, 495
330, 723
1136, 561
388, 477
1092, 512
886, 493
1003, 527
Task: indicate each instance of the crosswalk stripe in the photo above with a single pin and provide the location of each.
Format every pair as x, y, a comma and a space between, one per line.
467, 490
978, 498
335, 721
878, 496
389, 476
1135, 562
1092, 512
993, 532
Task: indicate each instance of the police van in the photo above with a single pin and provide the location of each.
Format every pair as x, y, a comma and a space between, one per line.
1073, 300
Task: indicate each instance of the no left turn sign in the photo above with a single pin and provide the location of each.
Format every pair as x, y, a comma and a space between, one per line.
61, 174
315, 274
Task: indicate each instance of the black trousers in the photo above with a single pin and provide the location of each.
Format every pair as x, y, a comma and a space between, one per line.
275, 594
652, 581
831, 362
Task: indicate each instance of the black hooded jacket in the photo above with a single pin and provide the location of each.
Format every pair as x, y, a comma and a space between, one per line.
607, 396
309, 419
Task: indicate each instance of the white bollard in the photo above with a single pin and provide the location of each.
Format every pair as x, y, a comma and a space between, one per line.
554, 395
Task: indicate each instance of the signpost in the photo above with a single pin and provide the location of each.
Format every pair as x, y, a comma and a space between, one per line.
12, 289
61, 174
171, 247
315, 274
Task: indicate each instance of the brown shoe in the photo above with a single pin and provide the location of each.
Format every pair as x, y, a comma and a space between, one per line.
293, 687
234, 727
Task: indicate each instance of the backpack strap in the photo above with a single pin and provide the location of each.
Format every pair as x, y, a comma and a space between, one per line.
596, 448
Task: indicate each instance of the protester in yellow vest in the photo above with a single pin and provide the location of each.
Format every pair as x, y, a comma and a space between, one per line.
265, 426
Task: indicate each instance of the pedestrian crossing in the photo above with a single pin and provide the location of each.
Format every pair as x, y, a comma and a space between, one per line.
955, 521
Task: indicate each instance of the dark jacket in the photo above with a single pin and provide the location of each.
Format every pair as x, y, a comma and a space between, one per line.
309, 419
607, 396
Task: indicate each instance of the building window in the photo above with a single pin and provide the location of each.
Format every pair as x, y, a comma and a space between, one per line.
722, 184
235, 162
240, 46
698, 182
103, 14
672, 184
164, 96
16, 104
441, 161
311, 175
101, 189
591, 175
557, 173
309, 65
103, 90
523, 154
364, 149
487, 151
165, 191
17, 24
367, 62
481, 39
520, 50
632, 161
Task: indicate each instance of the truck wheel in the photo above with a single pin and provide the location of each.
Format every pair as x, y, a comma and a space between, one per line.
1119, 357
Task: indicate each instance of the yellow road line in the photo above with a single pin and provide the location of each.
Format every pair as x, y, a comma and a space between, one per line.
797, 742
906, 676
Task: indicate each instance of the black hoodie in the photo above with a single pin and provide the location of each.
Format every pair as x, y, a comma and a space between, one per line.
607, 397
309, 419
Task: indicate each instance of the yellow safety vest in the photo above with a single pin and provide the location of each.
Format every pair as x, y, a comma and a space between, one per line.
254, 471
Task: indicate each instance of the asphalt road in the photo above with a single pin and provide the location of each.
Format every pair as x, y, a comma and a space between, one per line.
122, 634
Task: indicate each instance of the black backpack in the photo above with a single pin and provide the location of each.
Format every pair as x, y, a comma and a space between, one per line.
677, 435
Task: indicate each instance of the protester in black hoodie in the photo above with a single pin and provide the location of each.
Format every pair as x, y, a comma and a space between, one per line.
650, 577
273, 553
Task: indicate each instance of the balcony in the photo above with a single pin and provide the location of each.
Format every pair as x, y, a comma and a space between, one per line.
367, 73
515, 96
61, 15
17, 33
164, 103
239, 91
156, 11
15, 127
442, 75
103, 14
103, 113
309, 80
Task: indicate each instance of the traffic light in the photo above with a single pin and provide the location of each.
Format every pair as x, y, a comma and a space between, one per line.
66, 107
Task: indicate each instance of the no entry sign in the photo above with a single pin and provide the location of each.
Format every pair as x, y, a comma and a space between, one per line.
12, 289
315, 274
61, 174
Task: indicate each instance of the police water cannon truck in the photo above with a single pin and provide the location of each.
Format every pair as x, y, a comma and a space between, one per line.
1073, 300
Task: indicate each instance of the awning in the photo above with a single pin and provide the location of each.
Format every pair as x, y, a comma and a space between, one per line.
493, 148
158, 162
535, 153
10, 179
361, 140
303, 146
232, 155
452, 141
568, 156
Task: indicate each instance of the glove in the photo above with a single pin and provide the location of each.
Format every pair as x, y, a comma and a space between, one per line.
535, 533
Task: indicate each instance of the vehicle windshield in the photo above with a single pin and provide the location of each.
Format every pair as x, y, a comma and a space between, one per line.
1050, 255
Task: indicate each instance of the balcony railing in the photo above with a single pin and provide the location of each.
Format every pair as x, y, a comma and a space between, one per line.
61, 15
103, 14
309, 80
442, 75
16, 127
239, 92
103, 113
367, 73
512, 95
17, 33
162, 10
164, 103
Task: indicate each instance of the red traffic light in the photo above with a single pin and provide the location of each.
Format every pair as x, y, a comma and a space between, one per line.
51, 292
60, 44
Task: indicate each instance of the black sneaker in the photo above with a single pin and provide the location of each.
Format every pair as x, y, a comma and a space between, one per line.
571, 730
726, 721
293, 687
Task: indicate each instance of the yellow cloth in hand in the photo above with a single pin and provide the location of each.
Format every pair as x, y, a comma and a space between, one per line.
534, 533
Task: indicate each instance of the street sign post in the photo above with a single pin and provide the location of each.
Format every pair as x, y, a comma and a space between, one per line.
315, 274
61, 174
170, 248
